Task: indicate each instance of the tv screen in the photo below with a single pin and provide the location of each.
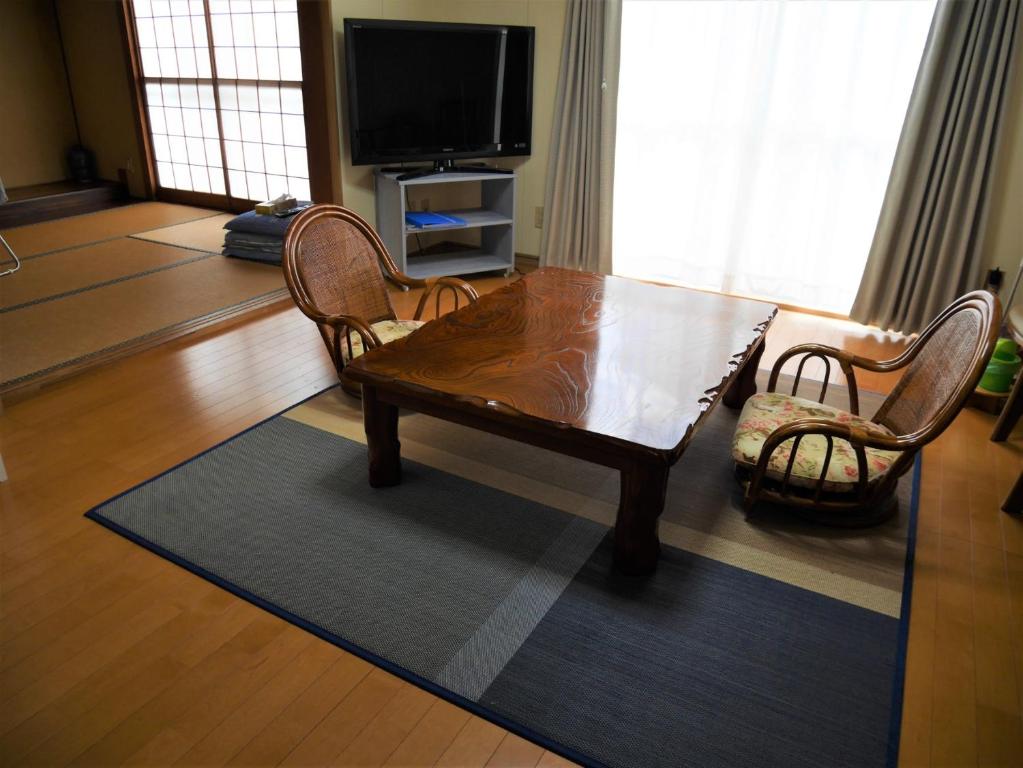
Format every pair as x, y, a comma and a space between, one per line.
423, 91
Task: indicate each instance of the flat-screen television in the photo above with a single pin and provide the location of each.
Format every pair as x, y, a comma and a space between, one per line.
424, 91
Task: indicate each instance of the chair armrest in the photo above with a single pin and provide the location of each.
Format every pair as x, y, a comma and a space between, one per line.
830, 429
430, 284
825, 353
343, 325
437, 285
846, 361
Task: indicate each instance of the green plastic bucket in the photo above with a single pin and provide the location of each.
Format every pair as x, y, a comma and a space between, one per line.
1005, 349
1002, 368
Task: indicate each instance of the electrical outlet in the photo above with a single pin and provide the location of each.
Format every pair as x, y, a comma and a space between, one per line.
538, 217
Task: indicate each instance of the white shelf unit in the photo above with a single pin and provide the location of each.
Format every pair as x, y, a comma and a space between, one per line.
495, 220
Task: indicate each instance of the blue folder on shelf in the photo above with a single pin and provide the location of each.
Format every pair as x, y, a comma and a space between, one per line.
427, 219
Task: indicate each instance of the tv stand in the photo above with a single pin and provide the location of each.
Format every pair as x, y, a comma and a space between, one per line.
494, 219
444, 166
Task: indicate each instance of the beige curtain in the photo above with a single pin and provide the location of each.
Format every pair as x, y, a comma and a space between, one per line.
927, 248
580, 176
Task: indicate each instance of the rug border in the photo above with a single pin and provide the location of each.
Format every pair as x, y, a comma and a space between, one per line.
90, 513
898, 682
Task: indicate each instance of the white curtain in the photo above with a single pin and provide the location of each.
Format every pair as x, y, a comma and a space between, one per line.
755, 140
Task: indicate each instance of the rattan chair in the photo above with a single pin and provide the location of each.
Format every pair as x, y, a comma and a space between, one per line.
335, 265
838, 467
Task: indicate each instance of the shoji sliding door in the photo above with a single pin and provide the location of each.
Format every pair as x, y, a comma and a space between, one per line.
222, 89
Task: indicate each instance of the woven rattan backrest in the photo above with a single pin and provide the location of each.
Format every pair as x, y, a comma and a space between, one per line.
952, 353
333, 265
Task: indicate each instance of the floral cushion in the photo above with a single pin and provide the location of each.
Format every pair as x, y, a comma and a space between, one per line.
765, 412
387, 330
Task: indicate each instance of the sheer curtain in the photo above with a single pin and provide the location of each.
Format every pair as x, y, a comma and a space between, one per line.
755, 140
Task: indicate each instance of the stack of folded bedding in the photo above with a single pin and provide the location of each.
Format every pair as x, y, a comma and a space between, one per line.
256, 237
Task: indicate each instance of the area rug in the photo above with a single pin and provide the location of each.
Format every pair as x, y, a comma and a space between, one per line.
486, 578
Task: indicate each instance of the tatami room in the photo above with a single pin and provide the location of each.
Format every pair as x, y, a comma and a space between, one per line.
511, 383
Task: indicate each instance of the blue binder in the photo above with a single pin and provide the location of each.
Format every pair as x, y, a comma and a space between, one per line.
427, 219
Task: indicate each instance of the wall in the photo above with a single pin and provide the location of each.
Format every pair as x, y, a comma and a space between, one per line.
35, 109
548, 16
1003, 242
100, 82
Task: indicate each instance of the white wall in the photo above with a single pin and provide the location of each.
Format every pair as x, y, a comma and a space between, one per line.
36, 121
102, 83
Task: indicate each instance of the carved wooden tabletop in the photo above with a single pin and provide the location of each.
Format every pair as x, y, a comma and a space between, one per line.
622, 360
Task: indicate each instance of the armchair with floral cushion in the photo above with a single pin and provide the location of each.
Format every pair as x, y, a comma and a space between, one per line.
335, 265
842, 468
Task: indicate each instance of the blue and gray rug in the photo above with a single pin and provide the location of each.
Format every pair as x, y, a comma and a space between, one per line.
486, 577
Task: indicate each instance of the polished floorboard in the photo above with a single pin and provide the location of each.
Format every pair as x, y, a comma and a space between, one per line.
111, 655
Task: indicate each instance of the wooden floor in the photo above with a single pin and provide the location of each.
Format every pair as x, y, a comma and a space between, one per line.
112, 655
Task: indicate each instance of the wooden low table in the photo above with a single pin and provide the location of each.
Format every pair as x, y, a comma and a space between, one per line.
606, 369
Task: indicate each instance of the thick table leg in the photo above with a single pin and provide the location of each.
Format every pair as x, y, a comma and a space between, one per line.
636, 544
745, 384
381, 421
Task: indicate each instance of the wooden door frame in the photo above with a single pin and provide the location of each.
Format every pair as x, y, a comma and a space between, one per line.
320, 113
142, 133
319, 100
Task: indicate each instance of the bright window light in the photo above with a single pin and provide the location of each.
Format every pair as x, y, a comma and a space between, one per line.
261, 120
755, 139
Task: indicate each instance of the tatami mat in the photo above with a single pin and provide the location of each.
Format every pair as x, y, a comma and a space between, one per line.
41, 337
34, 239
78, 269
100, 285
201, 235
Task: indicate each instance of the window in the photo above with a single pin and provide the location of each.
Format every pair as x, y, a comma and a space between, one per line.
755, 140
223, 96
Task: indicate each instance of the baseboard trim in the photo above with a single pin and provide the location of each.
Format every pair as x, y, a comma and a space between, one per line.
527, 262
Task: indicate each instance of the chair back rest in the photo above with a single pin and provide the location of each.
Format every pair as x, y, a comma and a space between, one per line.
332, 264
947, 361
